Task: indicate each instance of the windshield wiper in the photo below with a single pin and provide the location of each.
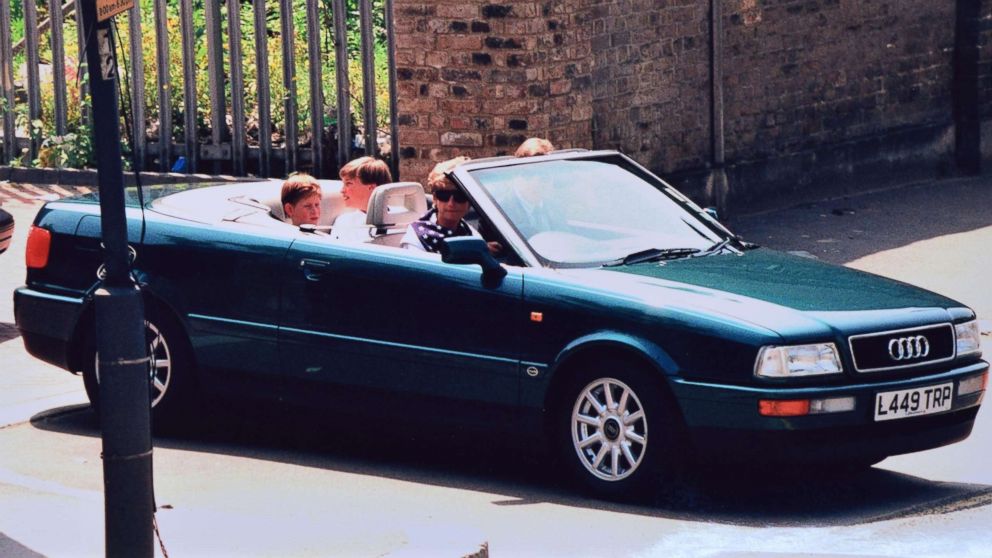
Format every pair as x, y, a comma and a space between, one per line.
653, 254
716, 248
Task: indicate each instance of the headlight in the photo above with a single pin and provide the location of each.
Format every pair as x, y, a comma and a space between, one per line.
968, 337
798, 360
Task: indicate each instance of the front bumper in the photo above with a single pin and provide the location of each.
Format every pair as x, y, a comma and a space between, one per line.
724, 420
47, 323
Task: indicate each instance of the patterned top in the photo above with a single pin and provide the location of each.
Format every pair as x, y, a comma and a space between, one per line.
425, 234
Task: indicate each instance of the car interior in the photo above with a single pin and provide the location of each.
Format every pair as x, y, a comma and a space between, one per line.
392, 207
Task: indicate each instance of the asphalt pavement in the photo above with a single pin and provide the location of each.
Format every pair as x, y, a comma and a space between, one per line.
348, 501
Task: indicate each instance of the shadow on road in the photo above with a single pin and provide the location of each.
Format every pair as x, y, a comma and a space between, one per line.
9, 548
488, 462
8, 332
843, 230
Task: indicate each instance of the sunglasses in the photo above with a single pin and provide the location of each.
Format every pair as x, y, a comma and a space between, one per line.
448, 195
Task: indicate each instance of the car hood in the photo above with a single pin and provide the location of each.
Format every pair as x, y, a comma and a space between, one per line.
790, 295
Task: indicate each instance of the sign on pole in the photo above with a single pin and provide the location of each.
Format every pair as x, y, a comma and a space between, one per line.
106, 9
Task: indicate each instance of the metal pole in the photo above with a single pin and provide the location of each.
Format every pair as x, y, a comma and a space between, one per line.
341, 74
718, 186
123, 357
394, 124
316, 88
368, 77
966, 87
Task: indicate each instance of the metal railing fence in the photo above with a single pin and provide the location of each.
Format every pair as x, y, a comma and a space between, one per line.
253, 119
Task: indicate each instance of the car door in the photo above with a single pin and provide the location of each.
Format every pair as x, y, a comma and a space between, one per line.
398, 320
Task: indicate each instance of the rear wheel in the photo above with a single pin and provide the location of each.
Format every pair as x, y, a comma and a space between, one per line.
618, 432
170, 369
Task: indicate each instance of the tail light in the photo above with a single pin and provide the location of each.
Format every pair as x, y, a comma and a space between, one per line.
39, 244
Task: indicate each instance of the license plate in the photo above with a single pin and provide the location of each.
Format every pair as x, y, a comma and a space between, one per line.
904, 403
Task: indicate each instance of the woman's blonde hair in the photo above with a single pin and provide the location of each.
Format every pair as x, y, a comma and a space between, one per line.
534, 146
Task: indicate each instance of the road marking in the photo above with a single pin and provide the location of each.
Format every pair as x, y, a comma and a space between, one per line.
35, 189
18, 194
38, 485
62, 190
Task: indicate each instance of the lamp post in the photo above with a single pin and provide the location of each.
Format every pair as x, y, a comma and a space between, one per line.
120, 331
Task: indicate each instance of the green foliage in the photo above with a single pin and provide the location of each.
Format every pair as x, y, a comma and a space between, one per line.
73, 148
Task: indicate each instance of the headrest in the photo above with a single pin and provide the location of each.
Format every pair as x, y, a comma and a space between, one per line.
396, 204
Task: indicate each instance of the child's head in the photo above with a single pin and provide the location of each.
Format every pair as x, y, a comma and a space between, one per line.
360, 177
301, 199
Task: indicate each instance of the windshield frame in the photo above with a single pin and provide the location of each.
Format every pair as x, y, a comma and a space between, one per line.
488, 208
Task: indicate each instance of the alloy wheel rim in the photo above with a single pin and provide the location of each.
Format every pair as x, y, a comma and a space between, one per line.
159, 364
609, 429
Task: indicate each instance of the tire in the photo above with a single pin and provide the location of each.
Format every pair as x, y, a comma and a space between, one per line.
618, 432
172, 386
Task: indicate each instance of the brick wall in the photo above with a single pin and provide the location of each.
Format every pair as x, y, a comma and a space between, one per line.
817, 93
651, 81
805, 73
477, 77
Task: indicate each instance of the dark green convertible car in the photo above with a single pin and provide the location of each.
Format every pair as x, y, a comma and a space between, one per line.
619, 322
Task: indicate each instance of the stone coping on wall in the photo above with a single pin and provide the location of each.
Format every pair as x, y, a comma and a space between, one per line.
88, 177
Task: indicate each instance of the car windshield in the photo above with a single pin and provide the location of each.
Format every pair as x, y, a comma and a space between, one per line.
593, 212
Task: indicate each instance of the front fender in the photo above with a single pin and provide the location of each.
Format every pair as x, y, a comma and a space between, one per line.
600, 342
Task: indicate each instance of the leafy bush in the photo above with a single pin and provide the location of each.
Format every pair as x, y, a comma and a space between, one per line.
74, 148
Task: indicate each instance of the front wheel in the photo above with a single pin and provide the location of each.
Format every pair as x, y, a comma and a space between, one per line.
170, 370
618, 431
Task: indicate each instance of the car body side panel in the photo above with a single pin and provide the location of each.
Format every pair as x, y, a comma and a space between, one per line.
379, 317
578, 314
223, 283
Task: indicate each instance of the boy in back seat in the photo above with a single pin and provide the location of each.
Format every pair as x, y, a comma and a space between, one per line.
360, 177
301, 199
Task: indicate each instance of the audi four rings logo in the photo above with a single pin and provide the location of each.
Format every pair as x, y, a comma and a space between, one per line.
905, 348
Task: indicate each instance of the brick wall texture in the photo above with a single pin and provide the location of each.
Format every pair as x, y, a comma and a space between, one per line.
799, 76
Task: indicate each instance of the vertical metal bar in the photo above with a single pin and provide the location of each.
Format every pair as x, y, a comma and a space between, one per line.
137, 83
368, 77
966, 87
58, 66
189, 85
82, 72
316, 87
264, 109
289, 81
394, 125
215, 75
34, 83
238, 143
719, 188
7, 83
164, 88
340, 14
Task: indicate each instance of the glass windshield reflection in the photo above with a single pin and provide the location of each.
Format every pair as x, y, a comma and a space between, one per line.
590, 212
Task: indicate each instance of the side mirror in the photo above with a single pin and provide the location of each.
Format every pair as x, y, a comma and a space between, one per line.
472, 250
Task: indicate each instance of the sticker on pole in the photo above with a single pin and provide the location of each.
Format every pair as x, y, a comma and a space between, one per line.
106, 9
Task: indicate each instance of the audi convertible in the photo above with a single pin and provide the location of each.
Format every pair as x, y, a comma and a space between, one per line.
620, 322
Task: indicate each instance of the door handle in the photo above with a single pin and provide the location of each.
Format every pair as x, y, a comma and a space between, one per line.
313, 270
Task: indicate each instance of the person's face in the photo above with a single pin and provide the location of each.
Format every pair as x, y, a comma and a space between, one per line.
305, 211
450, 211
529, 189
356, 193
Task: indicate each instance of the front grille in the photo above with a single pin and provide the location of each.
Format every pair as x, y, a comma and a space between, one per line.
904, 348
